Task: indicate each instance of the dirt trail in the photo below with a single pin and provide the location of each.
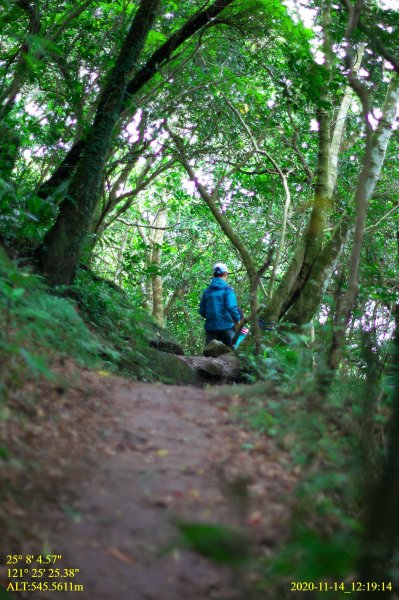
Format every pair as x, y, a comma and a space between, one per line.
163, 451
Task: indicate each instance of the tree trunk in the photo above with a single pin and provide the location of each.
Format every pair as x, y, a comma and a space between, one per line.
311, 241
119, 258
299, 294
63, 244
146, 287
254, 306
376, 147
309, 300
156, 279
281, 243
340, 120
321, 209
22, 70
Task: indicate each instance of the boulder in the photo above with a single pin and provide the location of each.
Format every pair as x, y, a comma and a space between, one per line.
166, 345
210, 369
168, 368
224, 369
231, 366
159, 337
215, 349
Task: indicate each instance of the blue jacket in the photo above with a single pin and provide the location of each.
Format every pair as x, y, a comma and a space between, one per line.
219, 306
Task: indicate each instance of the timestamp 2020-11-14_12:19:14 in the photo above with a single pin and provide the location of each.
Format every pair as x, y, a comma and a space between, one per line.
341, 586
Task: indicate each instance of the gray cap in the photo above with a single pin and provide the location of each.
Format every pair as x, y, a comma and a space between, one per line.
220, 269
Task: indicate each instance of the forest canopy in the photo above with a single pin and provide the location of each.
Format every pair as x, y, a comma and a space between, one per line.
151, 139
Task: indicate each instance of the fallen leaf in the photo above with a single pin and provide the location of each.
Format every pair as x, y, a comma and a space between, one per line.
176, 556
255, 518
162, 452
258, 489
247, 446
120, 556
206, 515
108, 451
194, 493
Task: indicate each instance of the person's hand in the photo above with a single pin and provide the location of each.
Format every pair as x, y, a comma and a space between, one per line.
237, 327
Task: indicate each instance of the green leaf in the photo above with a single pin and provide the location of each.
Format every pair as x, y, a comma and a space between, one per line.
219, 543
4, 453
17, 293
12, 293
36, 364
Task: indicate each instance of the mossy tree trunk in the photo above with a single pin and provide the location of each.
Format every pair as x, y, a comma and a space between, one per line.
63, 244
309, 300
299, 293
376, 147
310, 245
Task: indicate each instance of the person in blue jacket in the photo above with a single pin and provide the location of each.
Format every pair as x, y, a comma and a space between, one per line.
218, 306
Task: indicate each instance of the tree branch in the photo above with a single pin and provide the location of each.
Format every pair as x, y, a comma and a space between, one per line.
201, 19
164, 52
209, 199
54, 32
130, 224
375, 225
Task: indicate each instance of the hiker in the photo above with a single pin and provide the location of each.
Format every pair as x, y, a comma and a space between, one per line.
219, 308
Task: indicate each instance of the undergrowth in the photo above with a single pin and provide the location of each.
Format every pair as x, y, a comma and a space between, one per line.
36, 326
110, 312
337, 443
94, 322
131, 332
